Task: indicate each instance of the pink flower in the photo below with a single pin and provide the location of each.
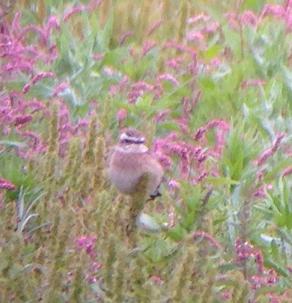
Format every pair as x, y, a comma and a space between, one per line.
19, 55
244, 251
35, 138
211, 27
189, 156
87, 243
265, 156
34, 105
121, 87
73, 11
43, 38
156, 280
179, 47
36, 79
273, 10
168, 77
60, 88
42, 76
211, 124
165, 161
124, 37
110, 72
121, 115
147, 46
93, 4
201, 177
162, 116
189, 104
174, 63
195, 36
93, 270
201, 17
287, 171
173, 185
98, 56
261, 192
270, 151
232, 20
157, 91
6, 184
53, 23
22, 119
154, 27
215, 62
248, 18
138, 89
204, 235
267, 279
226, 295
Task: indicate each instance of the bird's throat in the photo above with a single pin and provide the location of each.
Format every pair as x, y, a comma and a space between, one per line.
132, 148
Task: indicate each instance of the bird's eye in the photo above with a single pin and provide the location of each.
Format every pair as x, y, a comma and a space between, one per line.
129, 138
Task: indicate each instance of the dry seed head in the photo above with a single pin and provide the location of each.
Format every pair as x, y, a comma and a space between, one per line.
145, 12
183, 18
99, 175
88, 155
182, 273
109, 262
119, 277
77, 286
83, 182
53, 131
136, 204
75, 166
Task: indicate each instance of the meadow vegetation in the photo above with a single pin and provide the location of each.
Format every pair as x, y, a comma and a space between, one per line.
210, 85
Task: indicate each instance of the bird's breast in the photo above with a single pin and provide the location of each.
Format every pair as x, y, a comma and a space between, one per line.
125, 180
126, 170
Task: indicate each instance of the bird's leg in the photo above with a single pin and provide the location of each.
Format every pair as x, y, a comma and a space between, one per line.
155, 194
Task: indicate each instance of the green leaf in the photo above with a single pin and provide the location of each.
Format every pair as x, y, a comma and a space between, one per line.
105, 35
212, 52
159, 250
219, 181
274, 249
287, 76
12, 143
278, 267
176, 233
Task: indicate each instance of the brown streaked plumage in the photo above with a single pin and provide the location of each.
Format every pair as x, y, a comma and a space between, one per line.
131, 159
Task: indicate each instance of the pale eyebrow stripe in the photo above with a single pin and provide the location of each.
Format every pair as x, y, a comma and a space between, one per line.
124, 136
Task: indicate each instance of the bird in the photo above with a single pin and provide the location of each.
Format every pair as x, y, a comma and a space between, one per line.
131, 159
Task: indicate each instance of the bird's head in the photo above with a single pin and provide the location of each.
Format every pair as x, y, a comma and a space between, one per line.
131, 136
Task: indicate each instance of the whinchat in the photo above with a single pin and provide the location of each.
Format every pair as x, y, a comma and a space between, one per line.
130, 160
